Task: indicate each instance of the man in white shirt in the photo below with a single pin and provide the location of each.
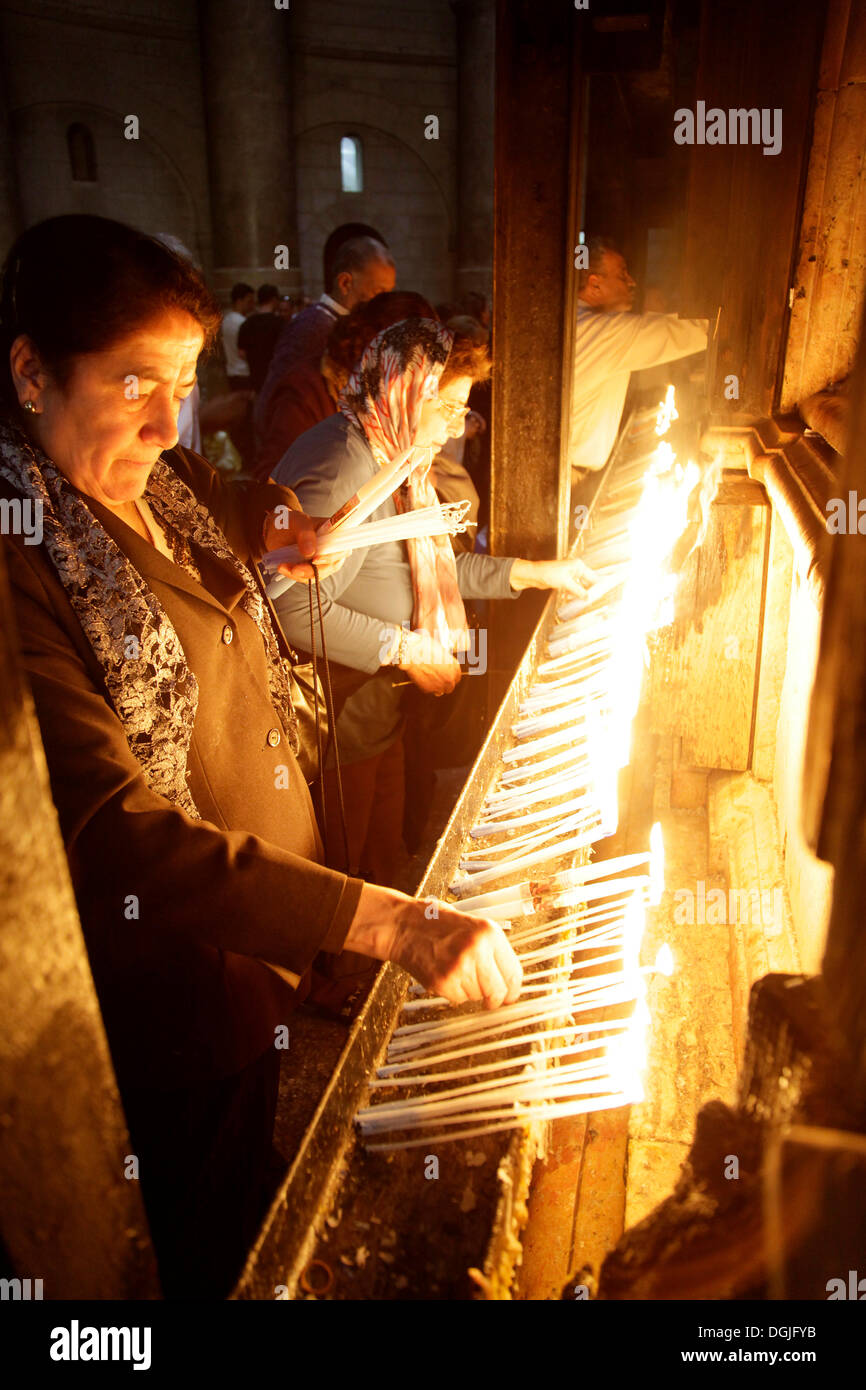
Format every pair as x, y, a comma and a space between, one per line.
610, 343
237, 369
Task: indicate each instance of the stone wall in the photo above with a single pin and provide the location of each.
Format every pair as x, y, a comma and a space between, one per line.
96, 63
379, 80
377, 72
830, 278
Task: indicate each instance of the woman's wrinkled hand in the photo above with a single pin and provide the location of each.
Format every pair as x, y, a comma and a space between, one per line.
458, 956
284, 526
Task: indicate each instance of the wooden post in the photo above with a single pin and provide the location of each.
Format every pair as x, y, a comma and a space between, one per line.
537, 101
538, 112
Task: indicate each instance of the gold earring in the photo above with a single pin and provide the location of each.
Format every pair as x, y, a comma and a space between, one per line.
28, 405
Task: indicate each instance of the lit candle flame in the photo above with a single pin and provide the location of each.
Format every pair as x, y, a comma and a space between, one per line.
667, 412
646, 603
657, 865
626, 1059
664, 962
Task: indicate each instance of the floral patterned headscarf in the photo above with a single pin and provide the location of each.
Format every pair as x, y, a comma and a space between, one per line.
398, 372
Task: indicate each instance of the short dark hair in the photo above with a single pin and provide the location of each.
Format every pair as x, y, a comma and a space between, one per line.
596, 247
267, 294
353, 332
347, 231
240, 291
78, 284
356, 254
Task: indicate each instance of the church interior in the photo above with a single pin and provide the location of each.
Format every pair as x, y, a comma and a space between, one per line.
657, 790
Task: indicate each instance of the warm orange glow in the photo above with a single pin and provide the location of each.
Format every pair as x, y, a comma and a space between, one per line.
667, 412
646, 603
657, 865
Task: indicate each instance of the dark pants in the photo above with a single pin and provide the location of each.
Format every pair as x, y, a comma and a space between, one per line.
206, 1168
373, 794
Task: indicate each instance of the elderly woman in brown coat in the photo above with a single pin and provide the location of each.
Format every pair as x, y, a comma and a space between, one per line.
169, 731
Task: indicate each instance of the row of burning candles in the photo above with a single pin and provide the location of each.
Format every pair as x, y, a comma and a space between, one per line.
557, 1051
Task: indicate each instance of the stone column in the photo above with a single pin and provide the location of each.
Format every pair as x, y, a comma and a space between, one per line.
246, 72
70, 1218
476, 26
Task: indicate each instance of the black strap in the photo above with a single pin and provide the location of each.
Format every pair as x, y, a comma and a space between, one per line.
323, 753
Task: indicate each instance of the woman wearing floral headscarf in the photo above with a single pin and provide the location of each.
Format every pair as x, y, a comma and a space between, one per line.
398, 605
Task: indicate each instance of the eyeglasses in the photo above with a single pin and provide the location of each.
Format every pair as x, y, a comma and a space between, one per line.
451, 411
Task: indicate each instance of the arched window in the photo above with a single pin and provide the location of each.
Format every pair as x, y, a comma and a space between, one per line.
82, 153
351, 164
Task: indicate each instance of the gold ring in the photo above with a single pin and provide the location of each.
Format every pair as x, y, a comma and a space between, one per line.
310, 1288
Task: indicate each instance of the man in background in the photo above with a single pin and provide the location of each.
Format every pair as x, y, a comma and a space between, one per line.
362, 267
237, 370
610, 343
258, 333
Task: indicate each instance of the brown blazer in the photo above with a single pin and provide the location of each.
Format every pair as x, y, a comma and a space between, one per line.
178, 914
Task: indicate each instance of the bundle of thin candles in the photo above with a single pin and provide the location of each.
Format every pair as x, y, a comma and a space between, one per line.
556, 1050
354, 512
443, 519
540, 1057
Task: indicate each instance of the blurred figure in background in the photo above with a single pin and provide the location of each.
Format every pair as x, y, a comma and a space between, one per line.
473, 304
243, 303
309, 393
451, 475
238, 419
188, 426
362, 267
258, 333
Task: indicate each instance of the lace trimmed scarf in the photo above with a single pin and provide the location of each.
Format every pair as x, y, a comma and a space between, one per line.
147, 678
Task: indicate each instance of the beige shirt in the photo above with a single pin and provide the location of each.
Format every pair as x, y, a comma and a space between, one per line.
607, 349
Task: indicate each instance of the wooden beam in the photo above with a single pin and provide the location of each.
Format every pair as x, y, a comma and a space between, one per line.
537, 109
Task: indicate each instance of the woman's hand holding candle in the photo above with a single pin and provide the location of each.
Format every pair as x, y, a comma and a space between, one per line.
430, 665
284, 526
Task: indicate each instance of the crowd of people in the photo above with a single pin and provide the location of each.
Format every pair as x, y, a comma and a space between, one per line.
291, 359
163, 684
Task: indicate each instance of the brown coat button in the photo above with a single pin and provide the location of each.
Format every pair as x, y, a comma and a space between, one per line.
228, 634
273, 737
